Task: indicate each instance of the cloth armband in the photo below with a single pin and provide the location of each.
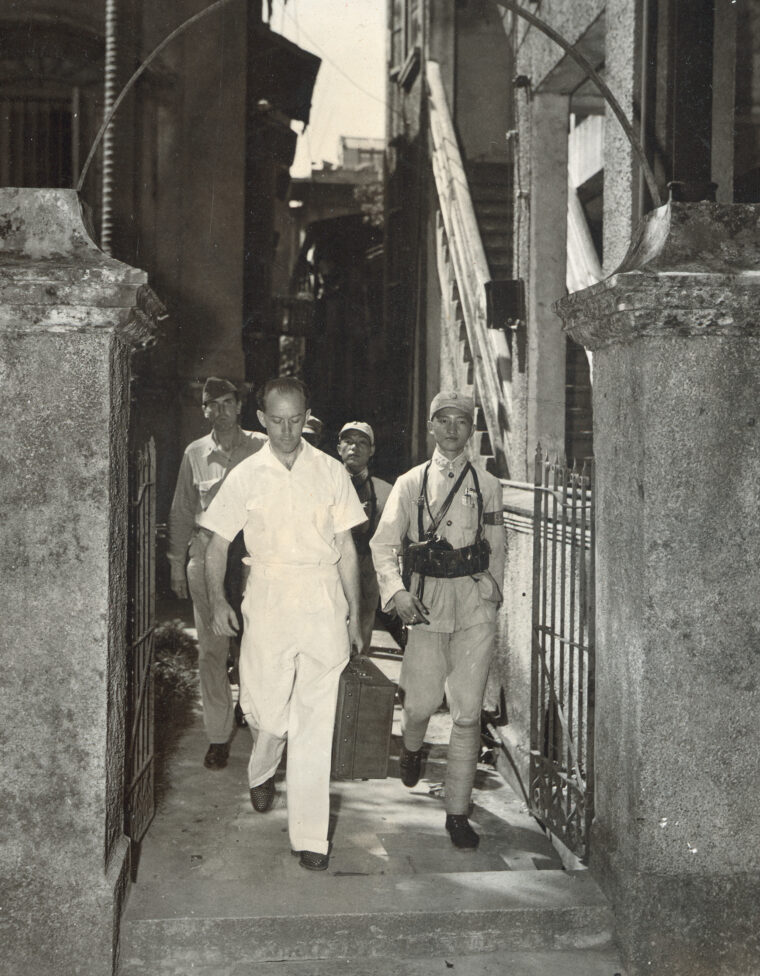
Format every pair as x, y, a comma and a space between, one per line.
493, 518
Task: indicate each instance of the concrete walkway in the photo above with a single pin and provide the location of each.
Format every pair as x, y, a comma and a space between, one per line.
219, 892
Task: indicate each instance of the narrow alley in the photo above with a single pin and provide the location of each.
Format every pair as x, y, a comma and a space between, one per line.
218, 893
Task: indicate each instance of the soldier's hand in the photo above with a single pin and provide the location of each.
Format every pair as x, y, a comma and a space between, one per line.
487, 587
355, 636
178, 583
410, 609
224, 622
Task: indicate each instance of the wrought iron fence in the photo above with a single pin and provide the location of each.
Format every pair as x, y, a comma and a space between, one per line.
139, 796
562, 674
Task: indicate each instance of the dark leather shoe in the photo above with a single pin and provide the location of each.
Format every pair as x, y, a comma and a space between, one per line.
409, 766
311, 860
217, 755
263, 795
461, 833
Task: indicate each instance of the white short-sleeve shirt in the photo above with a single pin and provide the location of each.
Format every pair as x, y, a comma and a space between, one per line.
289, 517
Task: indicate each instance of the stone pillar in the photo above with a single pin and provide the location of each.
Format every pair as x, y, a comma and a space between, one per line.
548, 251
69, 317
676, 339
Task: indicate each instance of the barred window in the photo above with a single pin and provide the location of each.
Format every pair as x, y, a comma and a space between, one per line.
37, 138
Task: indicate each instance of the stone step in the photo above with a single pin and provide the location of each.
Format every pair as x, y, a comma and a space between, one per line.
495, 234
494, 210
320, 917
569, 962
492, 174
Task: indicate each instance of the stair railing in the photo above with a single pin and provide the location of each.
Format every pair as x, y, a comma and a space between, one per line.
468, 259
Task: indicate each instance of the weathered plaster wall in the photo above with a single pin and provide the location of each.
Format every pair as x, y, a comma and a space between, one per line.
59, 820
538, 54
677, 360
677, 691
510, 680
68, 317
483, 100
622, 74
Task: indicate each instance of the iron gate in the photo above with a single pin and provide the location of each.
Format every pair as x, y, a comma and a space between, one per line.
562, 670
139, 802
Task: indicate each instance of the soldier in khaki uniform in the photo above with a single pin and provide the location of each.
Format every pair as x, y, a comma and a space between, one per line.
451, 512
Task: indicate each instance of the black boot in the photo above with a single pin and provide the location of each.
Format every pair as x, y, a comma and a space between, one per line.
409, 766
461, 833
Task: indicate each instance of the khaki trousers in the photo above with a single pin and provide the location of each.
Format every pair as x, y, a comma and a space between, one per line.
216, 696
456, 664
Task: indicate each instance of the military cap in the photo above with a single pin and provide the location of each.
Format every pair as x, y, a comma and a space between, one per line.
214, 387
361, 428
450, 398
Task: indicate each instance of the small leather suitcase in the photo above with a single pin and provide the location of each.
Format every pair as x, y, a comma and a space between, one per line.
363, 722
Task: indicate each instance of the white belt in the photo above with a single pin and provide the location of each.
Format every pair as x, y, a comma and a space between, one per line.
284, 570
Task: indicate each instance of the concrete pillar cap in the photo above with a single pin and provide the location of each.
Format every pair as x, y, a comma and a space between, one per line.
53, 276
685, 258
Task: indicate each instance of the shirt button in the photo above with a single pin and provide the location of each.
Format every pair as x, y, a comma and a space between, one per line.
451, 474
449, 522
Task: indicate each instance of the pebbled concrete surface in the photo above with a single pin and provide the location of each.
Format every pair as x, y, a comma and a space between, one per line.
218, 891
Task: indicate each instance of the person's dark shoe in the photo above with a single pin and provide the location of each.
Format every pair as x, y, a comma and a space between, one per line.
461, 833
311, 860
409, 766
217, 755
262, 795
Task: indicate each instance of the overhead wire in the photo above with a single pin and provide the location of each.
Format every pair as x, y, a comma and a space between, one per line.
336, 66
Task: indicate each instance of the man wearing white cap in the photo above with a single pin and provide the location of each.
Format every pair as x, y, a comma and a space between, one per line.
205, 464
451, 512
356, 446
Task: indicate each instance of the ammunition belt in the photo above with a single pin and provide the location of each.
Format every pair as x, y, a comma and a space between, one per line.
446, 563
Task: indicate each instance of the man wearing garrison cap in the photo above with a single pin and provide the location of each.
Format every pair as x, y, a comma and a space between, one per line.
450, 512
356, 447
205, 464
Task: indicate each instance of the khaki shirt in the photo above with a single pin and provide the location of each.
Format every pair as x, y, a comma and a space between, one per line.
203, 468
453, 604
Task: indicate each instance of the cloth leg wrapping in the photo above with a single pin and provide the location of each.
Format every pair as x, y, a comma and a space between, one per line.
468, 655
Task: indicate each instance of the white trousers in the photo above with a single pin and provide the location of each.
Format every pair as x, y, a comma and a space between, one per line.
294, 647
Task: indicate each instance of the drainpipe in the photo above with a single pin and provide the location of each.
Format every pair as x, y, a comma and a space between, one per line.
109, 94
